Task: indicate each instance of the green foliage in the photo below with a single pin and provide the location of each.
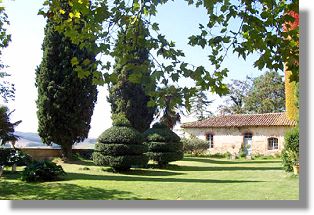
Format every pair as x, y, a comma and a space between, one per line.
4, 37
297, 102
105, 19
240, 27
164, 145
120, 120
265, 157
160, 133
242, 151
121, 148
132, 68
7, 127
267, 94
10, 156
120, 163
7, 89
65, 102
247, 27
221, 155
290, 153
118, 149
263, 94
40, 171
194, 146
120, 134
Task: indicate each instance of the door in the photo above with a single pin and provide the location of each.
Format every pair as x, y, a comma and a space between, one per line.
247, 139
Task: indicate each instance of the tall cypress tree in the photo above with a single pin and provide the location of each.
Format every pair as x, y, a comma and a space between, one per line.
132, 68
65, 102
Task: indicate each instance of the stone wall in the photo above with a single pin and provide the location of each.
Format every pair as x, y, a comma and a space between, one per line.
48, 153
231, 139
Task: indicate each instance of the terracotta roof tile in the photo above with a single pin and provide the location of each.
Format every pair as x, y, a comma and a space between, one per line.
242, 120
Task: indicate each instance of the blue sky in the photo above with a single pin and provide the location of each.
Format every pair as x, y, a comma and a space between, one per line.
176, 20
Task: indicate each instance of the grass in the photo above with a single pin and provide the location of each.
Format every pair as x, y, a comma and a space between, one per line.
194, 178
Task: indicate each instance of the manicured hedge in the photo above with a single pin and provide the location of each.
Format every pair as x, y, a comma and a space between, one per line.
120, 163
120, 147
164, 145
121, 135
161, 134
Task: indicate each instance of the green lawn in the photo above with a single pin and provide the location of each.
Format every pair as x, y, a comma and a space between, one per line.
191, 179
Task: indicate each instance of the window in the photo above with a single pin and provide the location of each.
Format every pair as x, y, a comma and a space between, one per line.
272, 143
210, 139
248, 136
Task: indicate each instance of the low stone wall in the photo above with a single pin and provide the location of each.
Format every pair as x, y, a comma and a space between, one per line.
48, 153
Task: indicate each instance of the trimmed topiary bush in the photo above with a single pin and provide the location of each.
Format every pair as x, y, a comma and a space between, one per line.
40, 171
120, 147
164, 145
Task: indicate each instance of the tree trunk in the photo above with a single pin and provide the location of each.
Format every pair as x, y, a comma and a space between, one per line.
66, 149
14, 167
1, 170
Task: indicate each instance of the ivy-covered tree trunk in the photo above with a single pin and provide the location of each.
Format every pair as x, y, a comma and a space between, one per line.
65, 102
132, 63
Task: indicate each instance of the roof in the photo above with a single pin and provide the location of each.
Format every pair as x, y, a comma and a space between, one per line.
242, 120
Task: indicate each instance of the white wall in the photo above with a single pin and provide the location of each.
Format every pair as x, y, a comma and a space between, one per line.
230, 139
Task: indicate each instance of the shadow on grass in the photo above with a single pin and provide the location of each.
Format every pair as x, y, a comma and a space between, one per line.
119, 177
148, 172
218, 168
81, 162
59, 191
208, 160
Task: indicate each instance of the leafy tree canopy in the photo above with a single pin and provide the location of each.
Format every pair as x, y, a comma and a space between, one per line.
267, 94
6, 89
240, 26
263, 94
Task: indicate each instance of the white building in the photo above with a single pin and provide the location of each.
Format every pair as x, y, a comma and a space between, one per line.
261, 134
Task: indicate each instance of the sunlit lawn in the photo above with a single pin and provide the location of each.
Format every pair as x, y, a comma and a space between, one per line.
192, 178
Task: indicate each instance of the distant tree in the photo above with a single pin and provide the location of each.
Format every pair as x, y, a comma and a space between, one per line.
126, 96
65, 102
200, 105
7, 127
267, 94
234, 101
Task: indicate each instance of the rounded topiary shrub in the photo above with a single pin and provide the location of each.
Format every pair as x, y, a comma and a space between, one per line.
164, 145
120, 147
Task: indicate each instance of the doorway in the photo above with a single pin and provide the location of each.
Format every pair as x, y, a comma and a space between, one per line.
247, 140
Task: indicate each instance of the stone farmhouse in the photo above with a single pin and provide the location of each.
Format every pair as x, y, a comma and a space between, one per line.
261, 134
